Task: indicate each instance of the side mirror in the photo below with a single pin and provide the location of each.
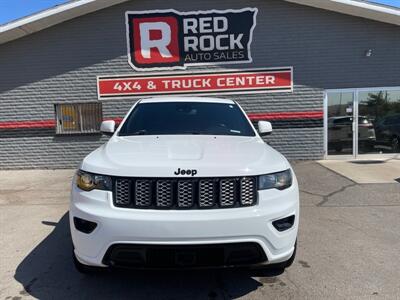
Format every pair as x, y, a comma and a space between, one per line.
107, 127
264, 128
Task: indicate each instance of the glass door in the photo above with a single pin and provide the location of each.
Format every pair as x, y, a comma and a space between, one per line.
340, 123
379, 121
362, 121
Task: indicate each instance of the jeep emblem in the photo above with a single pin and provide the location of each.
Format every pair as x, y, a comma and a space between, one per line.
185, 172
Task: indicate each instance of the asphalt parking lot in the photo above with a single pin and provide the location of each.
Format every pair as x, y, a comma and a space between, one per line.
348, 247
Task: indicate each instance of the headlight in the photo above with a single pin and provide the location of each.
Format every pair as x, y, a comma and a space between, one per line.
88, 181
281, 180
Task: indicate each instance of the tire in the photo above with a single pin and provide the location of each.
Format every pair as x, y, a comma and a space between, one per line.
82, 268
395, 143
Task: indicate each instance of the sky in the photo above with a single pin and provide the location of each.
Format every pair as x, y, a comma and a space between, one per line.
14, 9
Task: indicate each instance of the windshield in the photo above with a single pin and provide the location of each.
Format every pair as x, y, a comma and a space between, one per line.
186, 118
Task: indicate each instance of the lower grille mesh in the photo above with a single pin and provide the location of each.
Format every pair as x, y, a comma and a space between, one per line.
182, 256
190, 193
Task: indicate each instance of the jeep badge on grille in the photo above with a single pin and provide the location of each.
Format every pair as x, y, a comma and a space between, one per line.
185, 172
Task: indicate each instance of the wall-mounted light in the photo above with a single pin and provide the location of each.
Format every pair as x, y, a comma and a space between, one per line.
368, 53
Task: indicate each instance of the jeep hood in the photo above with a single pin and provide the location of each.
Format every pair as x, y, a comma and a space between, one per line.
161, 156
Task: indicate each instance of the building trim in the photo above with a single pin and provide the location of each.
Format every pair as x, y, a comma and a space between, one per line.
27, 124
357, 8
273, 116
50, 17
70, 10
286, 115
34, 132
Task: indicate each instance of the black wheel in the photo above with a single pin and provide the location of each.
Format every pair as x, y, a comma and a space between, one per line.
82, 268
395, 144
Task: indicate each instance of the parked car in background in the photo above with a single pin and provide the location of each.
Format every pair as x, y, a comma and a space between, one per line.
340, 133
388, 132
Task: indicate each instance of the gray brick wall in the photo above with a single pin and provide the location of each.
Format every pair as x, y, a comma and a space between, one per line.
60, 64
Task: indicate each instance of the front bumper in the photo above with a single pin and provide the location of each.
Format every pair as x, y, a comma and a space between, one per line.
184, 227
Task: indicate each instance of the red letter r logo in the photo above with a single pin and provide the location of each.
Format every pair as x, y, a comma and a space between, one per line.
155, 40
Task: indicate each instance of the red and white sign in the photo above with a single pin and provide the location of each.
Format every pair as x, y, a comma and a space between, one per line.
168, 39
227, 82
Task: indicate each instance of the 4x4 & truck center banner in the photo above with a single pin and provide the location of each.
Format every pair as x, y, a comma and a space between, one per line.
225, 82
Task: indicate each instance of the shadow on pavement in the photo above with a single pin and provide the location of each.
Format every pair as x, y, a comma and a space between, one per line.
47, 272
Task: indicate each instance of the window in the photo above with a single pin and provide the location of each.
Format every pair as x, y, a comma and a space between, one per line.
73, 118
376, 130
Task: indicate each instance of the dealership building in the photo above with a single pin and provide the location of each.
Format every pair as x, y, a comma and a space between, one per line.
326, 74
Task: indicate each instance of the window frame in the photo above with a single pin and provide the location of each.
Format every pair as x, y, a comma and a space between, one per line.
356, 92
78, 108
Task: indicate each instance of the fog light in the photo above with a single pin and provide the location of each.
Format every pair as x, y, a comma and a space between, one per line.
84, 225
284, 224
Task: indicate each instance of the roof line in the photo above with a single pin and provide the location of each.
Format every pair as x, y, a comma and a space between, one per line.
357, 8
50, 17
379, 4
73, 9
43, 14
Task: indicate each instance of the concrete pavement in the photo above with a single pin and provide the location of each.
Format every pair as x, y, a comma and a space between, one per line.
366, 170
349, 243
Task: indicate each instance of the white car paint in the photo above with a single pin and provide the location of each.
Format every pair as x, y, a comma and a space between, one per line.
160, 156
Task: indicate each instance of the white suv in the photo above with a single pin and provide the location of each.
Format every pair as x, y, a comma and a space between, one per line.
184, 183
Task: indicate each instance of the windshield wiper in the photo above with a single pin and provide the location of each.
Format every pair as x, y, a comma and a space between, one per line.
139, 132
192, 132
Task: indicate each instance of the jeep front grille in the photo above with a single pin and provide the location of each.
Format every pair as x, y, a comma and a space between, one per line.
206, 193
122, 192
164, 193
143, 192
227, 192
187, 193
